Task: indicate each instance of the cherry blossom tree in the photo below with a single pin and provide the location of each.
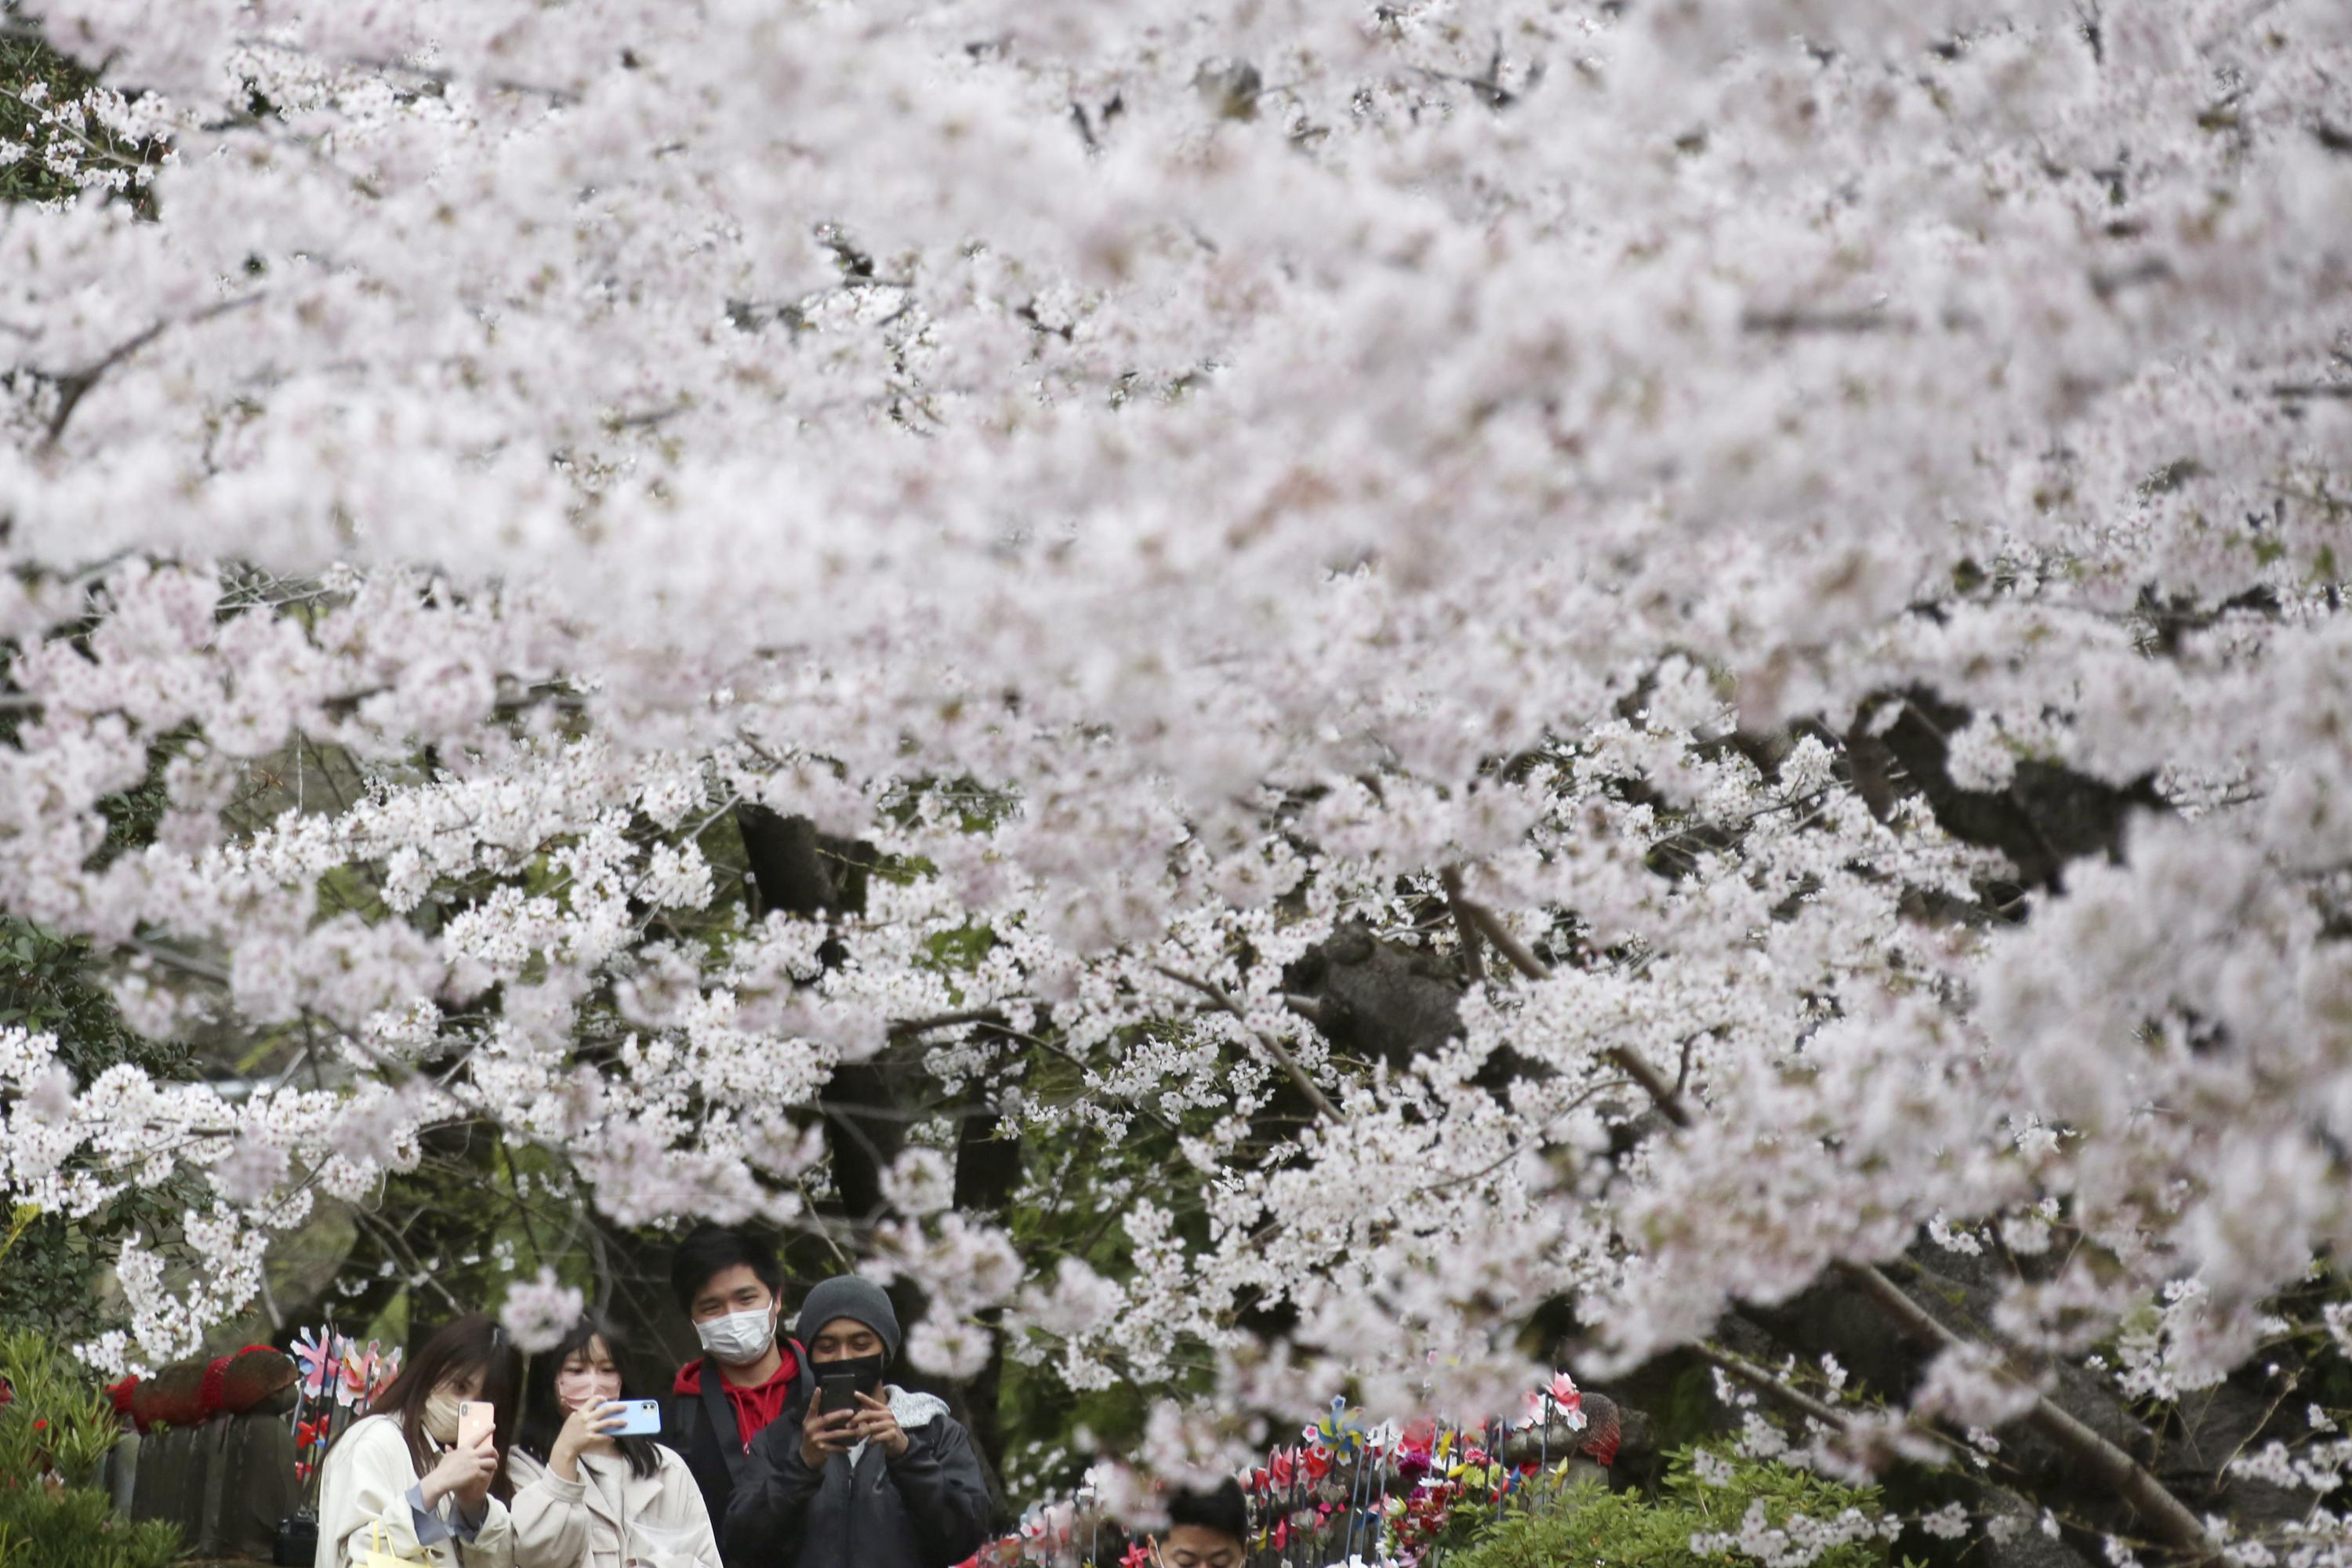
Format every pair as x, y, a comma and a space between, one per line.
1661, 662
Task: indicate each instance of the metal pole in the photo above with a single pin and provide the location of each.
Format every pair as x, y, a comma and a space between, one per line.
1356, 1486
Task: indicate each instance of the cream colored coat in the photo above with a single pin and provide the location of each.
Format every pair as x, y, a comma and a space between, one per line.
583, 1523
365, 1482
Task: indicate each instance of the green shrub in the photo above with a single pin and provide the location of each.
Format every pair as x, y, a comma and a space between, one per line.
54, 1430
58, 1421
75, 1526
1592, 1527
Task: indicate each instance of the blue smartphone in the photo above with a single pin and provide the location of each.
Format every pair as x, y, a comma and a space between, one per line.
639, 1417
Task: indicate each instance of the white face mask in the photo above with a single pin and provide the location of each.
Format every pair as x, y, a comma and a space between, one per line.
441, 1415
739, 1337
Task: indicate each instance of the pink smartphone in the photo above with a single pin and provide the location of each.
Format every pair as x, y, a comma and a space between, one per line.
477, 1419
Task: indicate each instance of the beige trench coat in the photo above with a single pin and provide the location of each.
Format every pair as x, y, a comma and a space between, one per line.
584, 1523
365, 1482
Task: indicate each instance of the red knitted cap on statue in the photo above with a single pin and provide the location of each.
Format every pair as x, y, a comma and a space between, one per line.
208, 1399
255, 1374
1602, 1430
174, 1395
143, 1399
121, 1393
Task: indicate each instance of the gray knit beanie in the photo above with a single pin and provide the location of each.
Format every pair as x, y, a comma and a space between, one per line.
853, 1297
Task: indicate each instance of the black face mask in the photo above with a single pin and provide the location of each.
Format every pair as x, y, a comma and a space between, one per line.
868, 1369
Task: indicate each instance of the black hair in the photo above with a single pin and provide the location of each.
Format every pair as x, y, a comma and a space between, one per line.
463, 1345
542, 1414
708, 1249
1222, 1509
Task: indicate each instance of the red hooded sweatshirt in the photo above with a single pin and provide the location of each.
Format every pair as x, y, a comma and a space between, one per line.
755, 1408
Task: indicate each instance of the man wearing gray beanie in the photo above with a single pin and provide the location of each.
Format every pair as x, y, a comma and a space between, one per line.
888, 1479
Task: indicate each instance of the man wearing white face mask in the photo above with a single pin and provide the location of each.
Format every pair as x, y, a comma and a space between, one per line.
730, 1285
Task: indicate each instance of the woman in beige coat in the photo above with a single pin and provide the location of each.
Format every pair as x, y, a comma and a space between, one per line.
397, 1481
585, 1498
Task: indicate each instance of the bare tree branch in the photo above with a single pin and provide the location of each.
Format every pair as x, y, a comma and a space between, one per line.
1795, 1401
1474, 963
1274, 1047
74, 385
1636, 1066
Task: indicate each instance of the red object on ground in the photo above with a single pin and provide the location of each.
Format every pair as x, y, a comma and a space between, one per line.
756, 1408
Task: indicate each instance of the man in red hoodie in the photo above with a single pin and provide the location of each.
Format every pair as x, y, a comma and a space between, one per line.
730, 1286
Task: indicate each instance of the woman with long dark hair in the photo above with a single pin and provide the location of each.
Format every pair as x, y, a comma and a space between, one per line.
586, 1496
399, 1481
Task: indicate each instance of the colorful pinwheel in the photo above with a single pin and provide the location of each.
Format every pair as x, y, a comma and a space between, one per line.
1338, 1429
313, 1352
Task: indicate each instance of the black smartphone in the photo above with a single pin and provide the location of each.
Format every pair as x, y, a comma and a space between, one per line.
837, 1392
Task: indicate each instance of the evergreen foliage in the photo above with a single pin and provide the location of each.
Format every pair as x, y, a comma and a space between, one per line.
54, 1430
1597, 1528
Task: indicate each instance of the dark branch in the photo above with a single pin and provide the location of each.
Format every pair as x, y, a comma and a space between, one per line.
1274, 1047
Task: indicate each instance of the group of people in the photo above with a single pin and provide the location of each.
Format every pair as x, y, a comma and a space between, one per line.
748, 1469
772, 1451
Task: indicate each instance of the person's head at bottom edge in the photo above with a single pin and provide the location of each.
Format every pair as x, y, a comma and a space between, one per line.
1206, 1528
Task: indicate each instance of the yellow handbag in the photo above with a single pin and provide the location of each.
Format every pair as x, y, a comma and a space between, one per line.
380, 1556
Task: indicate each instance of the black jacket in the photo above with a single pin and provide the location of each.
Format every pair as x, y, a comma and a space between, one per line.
701, 1428
926, 1508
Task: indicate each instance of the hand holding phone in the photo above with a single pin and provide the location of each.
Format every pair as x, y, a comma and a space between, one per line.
478, 1419
878, 1424
826, 1429
473, 1460
590, 1428
637, 1418
837, 1392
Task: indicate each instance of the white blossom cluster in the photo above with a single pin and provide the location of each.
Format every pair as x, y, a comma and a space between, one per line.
94, 140
1796, 1541
1290, 459
538, 1312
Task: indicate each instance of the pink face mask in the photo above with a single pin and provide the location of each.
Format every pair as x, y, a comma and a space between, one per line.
575, 1386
